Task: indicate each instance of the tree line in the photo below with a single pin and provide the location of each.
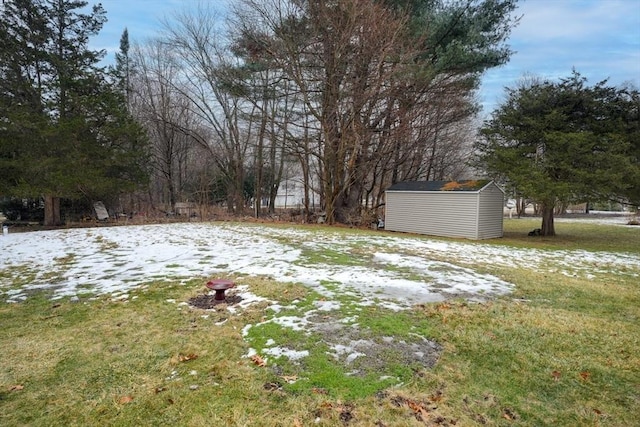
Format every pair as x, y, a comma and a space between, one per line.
348, 96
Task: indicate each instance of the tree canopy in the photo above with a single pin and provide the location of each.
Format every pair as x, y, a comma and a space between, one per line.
565, 142
382, 81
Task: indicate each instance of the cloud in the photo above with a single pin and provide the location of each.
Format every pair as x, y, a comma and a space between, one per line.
600, 39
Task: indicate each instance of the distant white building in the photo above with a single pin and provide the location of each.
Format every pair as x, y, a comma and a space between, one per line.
291, 195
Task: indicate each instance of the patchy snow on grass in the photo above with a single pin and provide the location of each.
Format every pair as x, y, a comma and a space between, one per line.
399, 270
395, 271
446, 277
286, 352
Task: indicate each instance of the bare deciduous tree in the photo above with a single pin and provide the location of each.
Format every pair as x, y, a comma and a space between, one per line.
361, 93
207, 71
164, 111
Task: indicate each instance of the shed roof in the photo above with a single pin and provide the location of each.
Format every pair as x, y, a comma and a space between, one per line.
462, 185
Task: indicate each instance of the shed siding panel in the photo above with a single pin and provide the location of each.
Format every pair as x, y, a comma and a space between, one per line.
472, 215
436, 213
490, 212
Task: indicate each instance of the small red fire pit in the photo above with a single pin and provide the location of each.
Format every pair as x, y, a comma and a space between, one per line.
220, 285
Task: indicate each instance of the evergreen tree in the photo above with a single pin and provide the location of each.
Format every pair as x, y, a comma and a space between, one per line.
559, 142
67, 132
461, 38
123, 69
23, 35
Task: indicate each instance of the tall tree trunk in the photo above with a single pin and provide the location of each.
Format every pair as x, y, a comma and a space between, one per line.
52, 210
172, 193
259, 164
521, 206
239, 199
548, 229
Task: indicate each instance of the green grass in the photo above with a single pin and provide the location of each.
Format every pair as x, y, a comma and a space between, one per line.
572, 235
328, 256
559, 351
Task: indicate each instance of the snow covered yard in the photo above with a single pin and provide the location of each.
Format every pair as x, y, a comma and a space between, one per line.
399, 270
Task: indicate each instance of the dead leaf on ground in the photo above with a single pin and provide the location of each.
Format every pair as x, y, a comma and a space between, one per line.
418, 409
272, 386
556, 375
290, 378
125, 399
585, 375
187, 357
346, 413
318, 390
508, 414
16, 387
436, 396
443, 306
259, 361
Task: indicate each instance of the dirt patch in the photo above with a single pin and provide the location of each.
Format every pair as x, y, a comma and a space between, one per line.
207, 302
358, 349
364, 353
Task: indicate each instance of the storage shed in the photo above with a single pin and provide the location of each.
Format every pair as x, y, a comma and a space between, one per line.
471, 209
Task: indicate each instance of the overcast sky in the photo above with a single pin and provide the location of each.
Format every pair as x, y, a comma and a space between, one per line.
600, 38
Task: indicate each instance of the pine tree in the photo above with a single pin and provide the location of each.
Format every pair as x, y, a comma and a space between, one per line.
68, 133
123, 69
564, 142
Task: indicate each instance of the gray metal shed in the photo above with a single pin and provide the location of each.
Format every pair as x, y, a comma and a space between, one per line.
471, 209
